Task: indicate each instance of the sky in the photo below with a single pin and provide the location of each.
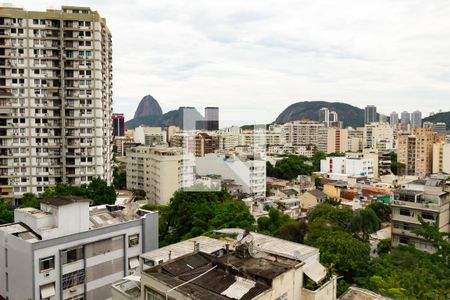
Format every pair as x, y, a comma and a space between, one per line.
253, 58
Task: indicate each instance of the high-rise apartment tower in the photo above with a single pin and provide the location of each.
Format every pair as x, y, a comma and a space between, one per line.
55, 99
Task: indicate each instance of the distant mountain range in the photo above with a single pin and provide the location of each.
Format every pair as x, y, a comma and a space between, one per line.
149, 113
440, 117
309, 110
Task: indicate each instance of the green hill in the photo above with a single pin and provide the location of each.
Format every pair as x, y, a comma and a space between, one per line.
309, 110
440, 117
173, 117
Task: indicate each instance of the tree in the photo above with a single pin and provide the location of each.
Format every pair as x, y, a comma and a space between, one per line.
289, 168
119, 178
271, 224
364, 222
30, 200
340, 251
139, 194
293, 231
6, 213
191, 214
439, 239
382, 211
100, 192
317, 157
396, 167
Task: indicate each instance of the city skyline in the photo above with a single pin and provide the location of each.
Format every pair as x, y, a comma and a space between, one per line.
211, 56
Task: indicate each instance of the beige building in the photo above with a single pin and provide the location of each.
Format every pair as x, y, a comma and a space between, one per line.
159, 171
302, 132
55, 99
415, 151
333, 140
378, 136
441, 157
425, 198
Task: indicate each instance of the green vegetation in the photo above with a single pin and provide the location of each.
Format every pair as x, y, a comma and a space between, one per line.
439, 117
6, 214
119, 178
190, 214
396, 167
289, 168
309, 110
98, 191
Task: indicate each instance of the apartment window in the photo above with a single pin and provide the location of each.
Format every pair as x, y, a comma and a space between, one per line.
6, 282
405, 212
404, 240
133, 240
47, 264
6, 257
153, 295
73, 279
428, 216
72, 255
48, 291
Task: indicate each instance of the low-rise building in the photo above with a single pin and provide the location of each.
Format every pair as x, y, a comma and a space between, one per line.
247, 170
424, 198
68, 250
159, 171
349, 166
239, 265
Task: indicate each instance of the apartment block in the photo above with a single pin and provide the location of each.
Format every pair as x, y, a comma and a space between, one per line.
378, 136
426, 198
302, 132
247, 170
68, 250
415, 151
236, 265
441, 157
149, 136
159, 171
349, 166
197, 143
55, 99
333, 140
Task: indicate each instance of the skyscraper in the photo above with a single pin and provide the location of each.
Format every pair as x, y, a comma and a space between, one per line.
118, 125
324, 115
55, 99
394, 119
405, 117
212, 118
416, 119
370, 114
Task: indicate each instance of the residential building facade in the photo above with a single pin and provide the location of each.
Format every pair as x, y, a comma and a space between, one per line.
55, 99
68, 250
159, 171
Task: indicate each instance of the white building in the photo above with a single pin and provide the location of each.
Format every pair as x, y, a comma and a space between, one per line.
239, 265
249, 171
159, 171
67, 250
348, 166
416, 119
55, 99
302, 132
149, 136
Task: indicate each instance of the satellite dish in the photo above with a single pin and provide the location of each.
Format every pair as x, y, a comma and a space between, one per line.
240, 236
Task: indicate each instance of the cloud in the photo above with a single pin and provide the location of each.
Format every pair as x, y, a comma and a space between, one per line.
253, 58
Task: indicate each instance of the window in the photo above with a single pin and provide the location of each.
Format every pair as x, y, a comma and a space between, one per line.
153, 295
428, 216
48, 291
283, 297
405, 212
133, 240
72, 255
404, 240
73, 279
46, 264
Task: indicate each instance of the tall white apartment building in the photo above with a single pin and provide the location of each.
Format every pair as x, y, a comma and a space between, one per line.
68, 250
55, 99
248, 171
441, 157
159, 171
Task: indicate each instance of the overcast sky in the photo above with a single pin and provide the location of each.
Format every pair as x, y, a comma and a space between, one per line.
253, 58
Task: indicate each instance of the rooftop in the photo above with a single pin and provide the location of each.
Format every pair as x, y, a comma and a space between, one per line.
63, 200
354, 293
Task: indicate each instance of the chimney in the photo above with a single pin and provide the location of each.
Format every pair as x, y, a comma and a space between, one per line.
196, 246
